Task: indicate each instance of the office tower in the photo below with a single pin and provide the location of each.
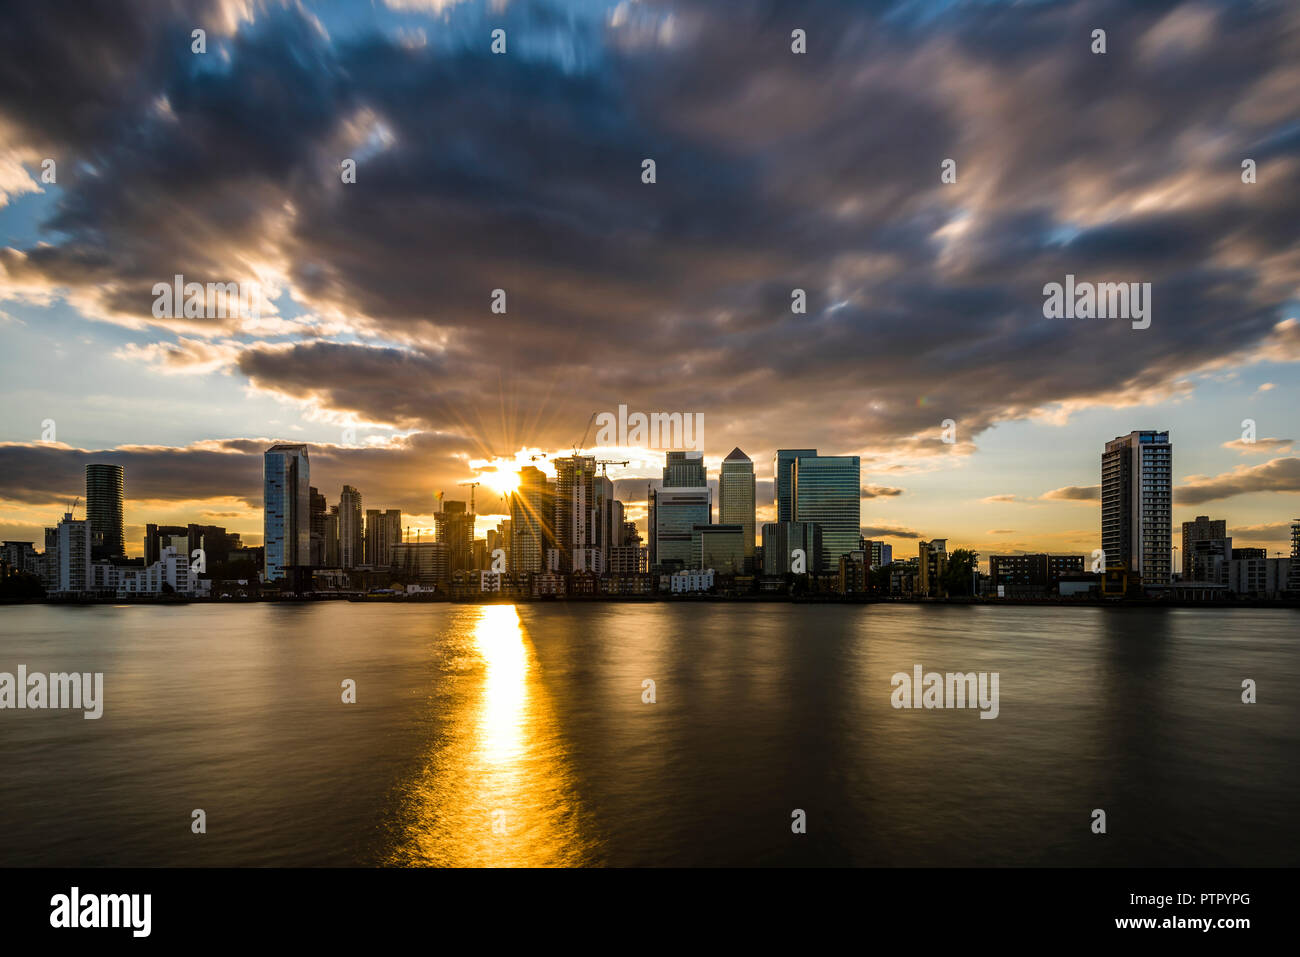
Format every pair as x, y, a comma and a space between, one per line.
1201, 530
878, 553
71, 563
21, 557
383, 531
331, 559
454, 526
676, 512
609, 515
532, 521
105, 491
575, 512
319, 511
780, 539
685, 470
736, 493
286, 509
1136, 504
783, 481
719, 547
827, 490
932, 558
352, 546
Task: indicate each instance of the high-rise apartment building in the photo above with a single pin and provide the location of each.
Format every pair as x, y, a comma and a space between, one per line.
532, 521
286, 509
352, 547
454, 526
319, 512
827, 490
1137, 504
736, 498
105, 496
383, 531
576, 513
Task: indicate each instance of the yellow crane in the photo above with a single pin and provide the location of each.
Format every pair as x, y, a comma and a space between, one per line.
472, 486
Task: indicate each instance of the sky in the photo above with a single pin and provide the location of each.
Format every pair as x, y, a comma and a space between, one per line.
376, 343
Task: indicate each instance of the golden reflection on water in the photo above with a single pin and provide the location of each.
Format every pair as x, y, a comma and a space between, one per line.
497, 790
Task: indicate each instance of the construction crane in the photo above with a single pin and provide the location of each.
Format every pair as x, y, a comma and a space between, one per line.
472, 486
604, 462
72, 509
586, 432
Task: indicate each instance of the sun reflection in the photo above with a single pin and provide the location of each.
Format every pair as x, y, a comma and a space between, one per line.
496, 790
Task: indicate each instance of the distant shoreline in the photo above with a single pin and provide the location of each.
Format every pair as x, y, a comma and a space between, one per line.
688, 599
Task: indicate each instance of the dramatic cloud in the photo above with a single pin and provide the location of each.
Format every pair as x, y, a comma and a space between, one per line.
1280, 475
774, 172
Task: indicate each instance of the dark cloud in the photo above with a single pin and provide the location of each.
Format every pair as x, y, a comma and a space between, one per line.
885, 531
821, 171
880, 491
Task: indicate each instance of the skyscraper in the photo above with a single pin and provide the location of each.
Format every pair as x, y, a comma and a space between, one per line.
319, 511
685, 470
576, 513
736, 498
351, 529
383, 531
286, 509
676, 512
454, 526
1137, 504
532, 521
827, 490
783, 481
105, 492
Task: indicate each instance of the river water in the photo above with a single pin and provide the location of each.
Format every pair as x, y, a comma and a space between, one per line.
522, 735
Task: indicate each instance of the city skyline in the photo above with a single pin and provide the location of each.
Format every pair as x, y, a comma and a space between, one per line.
378, 342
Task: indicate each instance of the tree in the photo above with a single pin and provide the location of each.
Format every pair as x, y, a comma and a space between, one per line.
957, 577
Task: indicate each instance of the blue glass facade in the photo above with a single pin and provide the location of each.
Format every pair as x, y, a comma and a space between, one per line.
286, 508
828, 492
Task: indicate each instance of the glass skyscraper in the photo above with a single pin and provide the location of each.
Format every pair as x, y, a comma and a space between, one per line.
105, 492
736, 498
827, 490
676, 512
286, 508
783, 481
